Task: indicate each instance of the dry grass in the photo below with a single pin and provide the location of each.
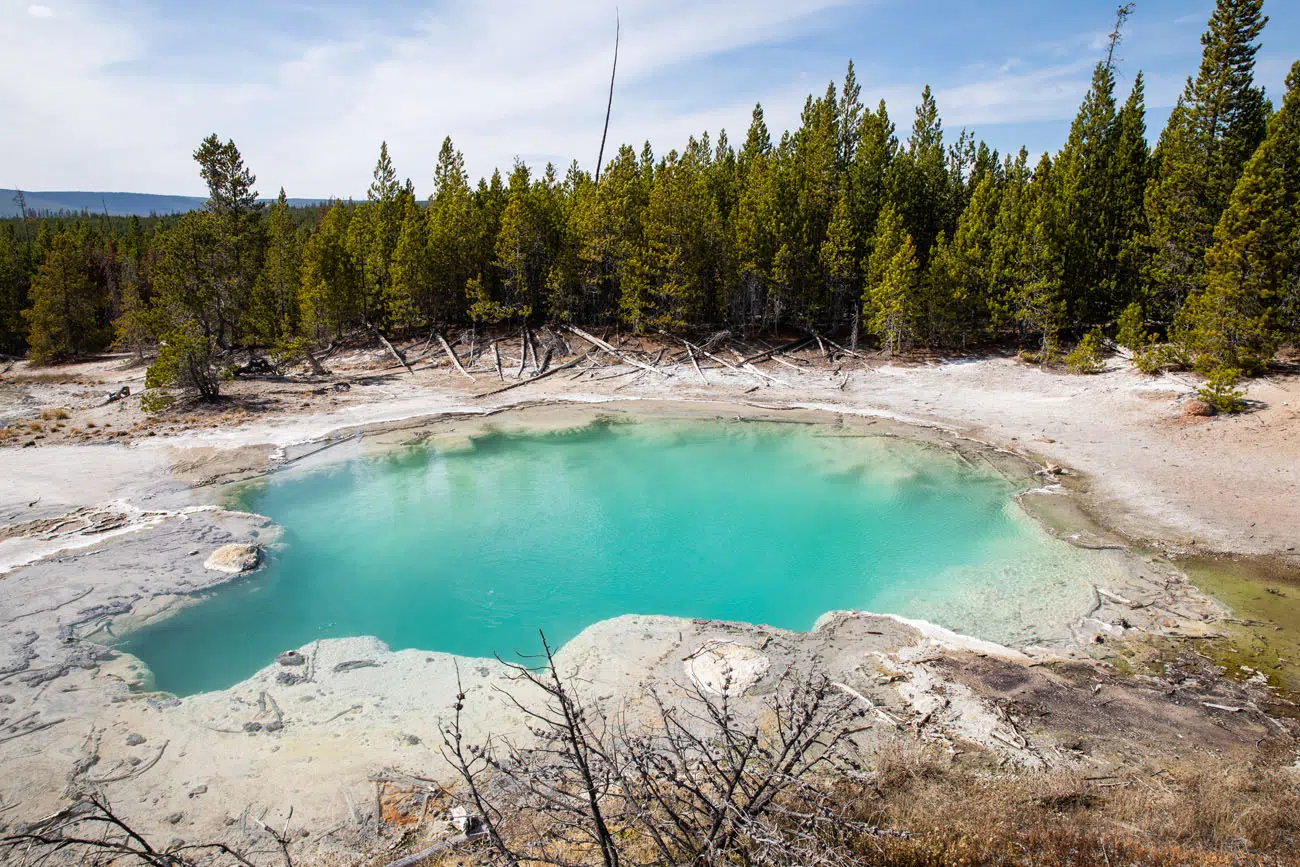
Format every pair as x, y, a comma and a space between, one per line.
929, 811
1203, 812
58, 414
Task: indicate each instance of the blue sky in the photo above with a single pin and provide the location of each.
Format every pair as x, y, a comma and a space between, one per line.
115, 94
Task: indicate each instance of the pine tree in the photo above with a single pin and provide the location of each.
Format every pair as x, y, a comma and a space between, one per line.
234, 261
64, 319
1009, 248
1037, 302
869, 176
672, 272
1218, 122
891, 284
520, 247
1083, 173
850, 113
1130, 173
920, 184
410, 269
230, 183
194, 280
839, 259
1238, 321
372, 237
960, 281
13, 289
274, 312
330, 295
455, 236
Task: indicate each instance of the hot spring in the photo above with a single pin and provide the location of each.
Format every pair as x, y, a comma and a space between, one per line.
472, 550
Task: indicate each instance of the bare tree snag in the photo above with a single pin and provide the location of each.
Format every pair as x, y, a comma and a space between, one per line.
568, 364
390, 348
496, 356
451, 353
695, 364
609, 106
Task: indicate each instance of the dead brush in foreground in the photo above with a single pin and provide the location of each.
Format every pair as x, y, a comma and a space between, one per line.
701, 785
918, 808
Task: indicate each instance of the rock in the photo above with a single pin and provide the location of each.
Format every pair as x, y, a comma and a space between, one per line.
719, 667
134, 740
288, 678
354, 664
410, 740
464, 821
198, 790
1198, 409
233, 559
252, 726
291, 657
6, 699
174, 818
273, 726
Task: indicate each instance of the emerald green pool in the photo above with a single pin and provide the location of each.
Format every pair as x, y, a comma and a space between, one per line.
473, 550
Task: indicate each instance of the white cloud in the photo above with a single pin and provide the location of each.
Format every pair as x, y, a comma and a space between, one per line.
502, 78
38, 11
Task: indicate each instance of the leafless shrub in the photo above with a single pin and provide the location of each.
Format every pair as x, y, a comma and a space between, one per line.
90, 832
695, 785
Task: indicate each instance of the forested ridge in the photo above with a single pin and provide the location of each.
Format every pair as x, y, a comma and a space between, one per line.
1188, 253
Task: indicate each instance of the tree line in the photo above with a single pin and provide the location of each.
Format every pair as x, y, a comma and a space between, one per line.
1188, 253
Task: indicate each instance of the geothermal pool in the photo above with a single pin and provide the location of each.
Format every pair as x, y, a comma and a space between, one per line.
472, 550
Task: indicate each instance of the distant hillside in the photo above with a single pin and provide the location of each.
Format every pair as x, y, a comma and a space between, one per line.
116, 204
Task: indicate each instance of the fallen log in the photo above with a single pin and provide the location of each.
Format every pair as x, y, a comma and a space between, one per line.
754, 370
618, 353
390, 348
120, 394
712, 357
841, 348
568, 364
768, 353
451, 353
425, 854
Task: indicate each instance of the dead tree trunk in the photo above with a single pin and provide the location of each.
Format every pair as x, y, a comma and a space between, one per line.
451, 353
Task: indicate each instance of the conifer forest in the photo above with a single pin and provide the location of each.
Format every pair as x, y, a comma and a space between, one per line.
882, 231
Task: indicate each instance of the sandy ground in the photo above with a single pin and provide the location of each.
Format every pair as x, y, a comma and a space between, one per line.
106, 517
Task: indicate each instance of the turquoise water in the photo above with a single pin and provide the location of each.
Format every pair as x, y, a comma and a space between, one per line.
472, 551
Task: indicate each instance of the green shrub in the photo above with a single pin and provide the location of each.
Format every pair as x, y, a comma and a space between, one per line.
1220, 390
187, 362
1159, 357
1132, 330
1087, 356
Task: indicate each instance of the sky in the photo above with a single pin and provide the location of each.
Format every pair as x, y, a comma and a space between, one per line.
114, 95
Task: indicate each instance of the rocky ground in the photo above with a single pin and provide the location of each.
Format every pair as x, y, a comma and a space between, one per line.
109, 517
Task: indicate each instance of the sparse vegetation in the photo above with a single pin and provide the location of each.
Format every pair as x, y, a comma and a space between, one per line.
1087, 356
1220, 391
